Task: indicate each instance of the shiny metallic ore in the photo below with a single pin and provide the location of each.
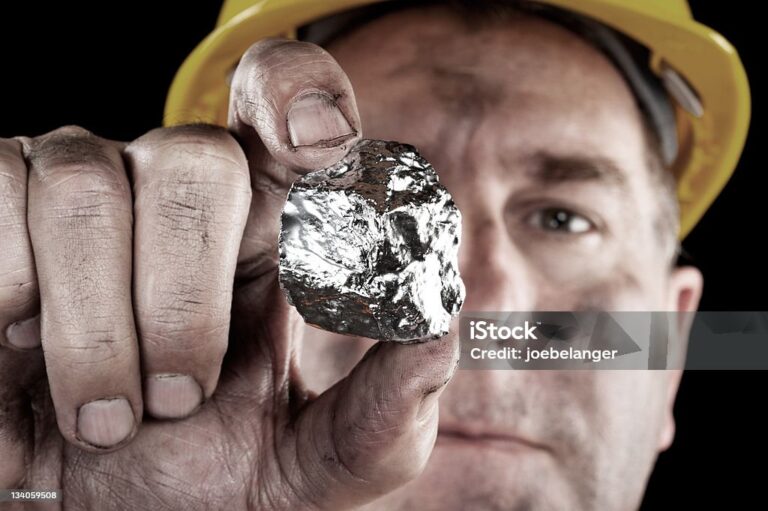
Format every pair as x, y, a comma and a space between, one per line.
369, 246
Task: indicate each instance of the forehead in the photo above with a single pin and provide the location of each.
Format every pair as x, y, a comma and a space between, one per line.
437, 43
517, 73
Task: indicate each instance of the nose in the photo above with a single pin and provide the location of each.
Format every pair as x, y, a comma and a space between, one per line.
494, 270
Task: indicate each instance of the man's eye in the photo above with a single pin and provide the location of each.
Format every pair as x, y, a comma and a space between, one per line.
560, 220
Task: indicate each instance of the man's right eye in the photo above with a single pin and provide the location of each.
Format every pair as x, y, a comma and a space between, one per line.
560, 220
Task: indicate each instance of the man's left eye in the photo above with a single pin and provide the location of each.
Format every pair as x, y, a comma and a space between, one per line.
560, 220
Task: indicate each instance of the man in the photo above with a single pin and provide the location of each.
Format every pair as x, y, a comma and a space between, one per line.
132, 249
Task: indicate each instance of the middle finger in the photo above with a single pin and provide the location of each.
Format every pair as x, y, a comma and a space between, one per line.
80, 215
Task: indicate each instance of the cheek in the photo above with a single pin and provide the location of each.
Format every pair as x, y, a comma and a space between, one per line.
572, 265
608, 288
632, 414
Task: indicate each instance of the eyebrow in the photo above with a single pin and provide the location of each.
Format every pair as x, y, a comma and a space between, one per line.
549, 168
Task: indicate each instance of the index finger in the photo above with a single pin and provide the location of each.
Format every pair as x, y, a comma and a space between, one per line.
374, 430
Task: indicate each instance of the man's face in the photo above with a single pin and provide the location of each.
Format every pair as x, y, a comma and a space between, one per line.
538, 139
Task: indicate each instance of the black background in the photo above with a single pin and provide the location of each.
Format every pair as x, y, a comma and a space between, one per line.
107, 67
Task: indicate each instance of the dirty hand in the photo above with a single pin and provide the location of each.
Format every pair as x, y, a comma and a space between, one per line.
147, 262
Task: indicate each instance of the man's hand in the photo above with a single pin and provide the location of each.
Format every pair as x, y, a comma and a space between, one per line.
147, 262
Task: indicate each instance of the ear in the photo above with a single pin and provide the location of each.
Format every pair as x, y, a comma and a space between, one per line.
684, 290
683, 294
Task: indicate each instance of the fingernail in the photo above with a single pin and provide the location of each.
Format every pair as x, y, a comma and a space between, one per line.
172, 396
106, 422
24, 335
315, 120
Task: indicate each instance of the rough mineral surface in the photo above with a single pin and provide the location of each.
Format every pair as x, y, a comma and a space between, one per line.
369, 247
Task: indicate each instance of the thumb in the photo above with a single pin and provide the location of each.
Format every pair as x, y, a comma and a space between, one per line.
374, 430
293, 110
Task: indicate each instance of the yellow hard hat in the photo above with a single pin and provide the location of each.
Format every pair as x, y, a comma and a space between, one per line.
712, 104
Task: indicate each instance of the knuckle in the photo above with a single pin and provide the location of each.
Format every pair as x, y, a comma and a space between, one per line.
62, 146
190, 153
189, 305
185, 330
78, 351
160, 140
73, 159
80, 200
191, 177
86, 184
71, 130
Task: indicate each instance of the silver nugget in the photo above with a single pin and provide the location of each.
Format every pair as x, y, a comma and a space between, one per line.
369, 246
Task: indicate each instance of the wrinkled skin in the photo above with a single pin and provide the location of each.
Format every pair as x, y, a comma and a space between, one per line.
129, 251
525, 439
